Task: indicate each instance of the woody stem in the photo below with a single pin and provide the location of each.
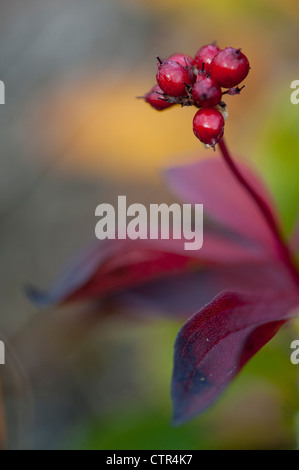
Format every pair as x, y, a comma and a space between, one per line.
266, 212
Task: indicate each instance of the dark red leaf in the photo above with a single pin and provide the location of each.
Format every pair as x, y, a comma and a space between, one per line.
211, 183
184, 293
216, 342
109, 266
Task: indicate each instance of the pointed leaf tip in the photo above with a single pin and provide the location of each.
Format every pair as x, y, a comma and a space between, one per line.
216, 343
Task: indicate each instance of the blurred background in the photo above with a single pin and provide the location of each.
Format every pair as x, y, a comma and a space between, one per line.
72, 135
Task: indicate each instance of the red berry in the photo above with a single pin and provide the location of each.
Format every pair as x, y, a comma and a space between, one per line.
183, 59
200, 77
186, 61
173, 78
205, 55
208, 126
229, 67
155, 98
206, 92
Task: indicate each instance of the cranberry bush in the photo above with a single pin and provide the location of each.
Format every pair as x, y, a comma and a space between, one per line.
243, 284
198, 82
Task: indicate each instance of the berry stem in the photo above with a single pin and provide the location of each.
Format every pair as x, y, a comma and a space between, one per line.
266, 212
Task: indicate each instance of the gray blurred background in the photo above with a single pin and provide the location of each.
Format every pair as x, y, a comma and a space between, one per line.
72, 135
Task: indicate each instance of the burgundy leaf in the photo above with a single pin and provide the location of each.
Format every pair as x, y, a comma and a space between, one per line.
216, 342
111, 265
107, 267
211, 183
184, 293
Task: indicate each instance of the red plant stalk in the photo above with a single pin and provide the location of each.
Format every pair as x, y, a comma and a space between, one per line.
266, 212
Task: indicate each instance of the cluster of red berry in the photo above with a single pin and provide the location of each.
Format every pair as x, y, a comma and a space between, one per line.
188, 81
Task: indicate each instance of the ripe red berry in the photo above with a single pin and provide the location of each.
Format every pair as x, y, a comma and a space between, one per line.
208, 126
200, 77
206, 92
186, 61
229, 67
183, 59
205, 55
155, 98
173, 78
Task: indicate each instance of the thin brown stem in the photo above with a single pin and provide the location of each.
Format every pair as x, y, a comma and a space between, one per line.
282, 247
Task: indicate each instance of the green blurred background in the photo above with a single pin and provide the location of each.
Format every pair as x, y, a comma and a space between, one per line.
73, 135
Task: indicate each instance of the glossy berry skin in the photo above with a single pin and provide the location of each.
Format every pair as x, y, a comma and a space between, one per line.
206, 92
153, 97
208, 126
186, 61
205, 55
173, 78
182, 59
229, 67
200, 77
